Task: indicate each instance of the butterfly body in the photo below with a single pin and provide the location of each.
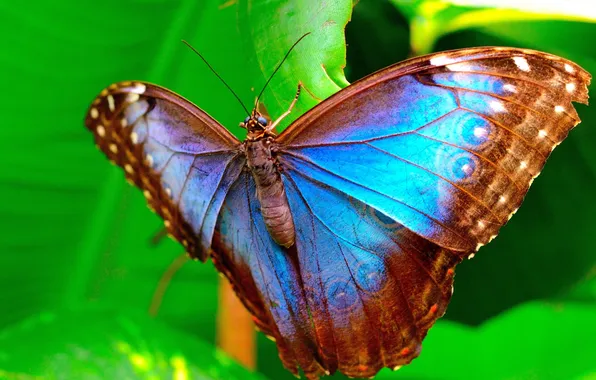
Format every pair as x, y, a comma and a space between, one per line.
271, 193
341, 234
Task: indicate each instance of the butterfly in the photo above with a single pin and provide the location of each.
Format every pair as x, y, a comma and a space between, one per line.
341, 234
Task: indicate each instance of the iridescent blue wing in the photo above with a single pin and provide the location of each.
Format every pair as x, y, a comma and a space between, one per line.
446, 144
182, 159
265, 276
357, 292
373, 287
396, 178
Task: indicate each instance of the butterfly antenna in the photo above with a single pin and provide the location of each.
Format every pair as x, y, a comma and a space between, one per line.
279, 65
217, 75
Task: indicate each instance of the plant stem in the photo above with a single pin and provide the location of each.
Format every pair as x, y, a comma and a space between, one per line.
235, 329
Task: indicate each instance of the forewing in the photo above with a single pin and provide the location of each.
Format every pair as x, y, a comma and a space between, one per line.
447, 144
182, 159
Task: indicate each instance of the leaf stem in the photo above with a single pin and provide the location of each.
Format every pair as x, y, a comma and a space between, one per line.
235, 329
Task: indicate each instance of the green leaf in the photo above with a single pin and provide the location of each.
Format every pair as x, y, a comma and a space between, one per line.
318, 60
432, 19
106, 345
378, 36
532, 341
69, 235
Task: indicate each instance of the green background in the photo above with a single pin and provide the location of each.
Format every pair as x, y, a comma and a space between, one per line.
78, 271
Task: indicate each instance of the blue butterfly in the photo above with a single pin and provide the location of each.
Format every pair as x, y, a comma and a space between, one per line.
341, 234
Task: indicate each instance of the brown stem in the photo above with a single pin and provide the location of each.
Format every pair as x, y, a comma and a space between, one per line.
164, 282
235, 329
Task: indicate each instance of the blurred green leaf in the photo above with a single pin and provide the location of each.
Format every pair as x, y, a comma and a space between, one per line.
532, 341
378, 36
432, 19
104, 345
68, 226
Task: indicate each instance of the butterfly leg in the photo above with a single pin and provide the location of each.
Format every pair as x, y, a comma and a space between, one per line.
271, 128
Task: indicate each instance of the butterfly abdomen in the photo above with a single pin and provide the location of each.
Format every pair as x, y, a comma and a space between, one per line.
270, 191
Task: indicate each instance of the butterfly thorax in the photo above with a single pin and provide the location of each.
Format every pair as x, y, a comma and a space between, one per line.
271, 193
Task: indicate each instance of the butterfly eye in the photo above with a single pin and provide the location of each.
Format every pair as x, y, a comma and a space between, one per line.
262, 120
247, 119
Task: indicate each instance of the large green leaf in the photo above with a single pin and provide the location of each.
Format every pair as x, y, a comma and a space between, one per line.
545, 341
107, 345
318, 60
69, 235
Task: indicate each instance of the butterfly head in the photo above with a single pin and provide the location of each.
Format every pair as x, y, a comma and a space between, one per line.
257, 126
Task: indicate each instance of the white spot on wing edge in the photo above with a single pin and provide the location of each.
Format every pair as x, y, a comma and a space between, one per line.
132, 97
442, 60
569, 68
129, 168
111, 105
101, 131
521, 63
461, 66
94, 113
149, 159
570, 87
114, 148
134, 137
139, 88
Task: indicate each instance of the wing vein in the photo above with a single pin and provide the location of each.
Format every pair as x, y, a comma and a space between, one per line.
305, 159
340, 143
492, 95
438, 176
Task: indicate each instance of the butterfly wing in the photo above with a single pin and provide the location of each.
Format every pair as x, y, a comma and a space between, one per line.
357, 292
265, 276
394, 180
446, 144
373, 288
182, 159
